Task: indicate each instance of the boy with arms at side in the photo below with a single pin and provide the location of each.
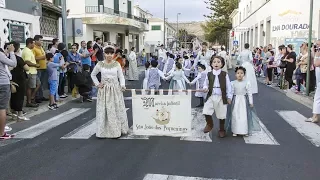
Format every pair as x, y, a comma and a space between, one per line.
218, 86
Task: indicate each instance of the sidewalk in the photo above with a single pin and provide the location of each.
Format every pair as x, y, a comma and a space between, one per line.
43, 107
299, 97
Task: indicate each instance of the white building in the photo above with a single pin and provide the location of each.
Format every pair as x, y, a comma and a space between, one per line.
156, 33
263, 22
17, 23
114, 21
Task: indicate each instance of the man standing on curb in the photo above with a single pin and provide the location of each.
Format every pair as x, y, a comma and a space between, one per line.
40, 57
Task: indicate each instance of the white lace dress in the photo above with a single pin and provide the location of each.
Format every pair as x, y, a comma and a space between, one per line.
111, 116
133, 67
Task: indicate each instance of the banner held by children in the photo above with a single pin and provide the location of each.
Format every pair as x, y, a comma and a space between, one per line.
162, 115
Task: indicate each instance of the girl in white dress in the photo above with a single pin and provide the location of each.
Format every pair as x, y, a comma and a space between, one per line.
241, 115
246, 59
187, 66
178, 79
111, 115
178, 60
199, 81
133, 66
146, 75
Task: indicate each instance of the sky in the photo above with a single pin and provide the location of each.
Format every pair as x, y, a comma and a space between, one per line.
191, 10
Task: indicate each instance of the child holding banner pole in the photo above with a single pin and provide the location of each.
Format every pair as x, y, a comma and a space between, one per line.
218, 86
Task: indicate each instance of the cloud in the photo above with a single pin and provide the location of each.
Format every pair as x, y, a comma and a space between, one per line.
191, 10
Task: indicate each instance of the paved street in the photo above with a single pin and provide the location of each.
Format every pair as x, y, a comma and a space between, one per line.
61, 145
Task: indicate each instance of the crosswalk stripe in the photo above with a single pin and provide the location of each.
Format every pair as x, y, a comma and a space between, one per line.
51, 123
174, 177
83, 132
310, 131
261, 137
197, 125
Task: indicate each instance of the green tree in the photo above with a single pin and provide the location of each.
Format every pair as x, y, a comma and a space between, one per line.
218, 25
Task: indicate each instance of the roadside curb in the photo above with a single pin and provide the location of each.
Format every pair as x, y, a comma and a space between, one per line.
41, 109
300, 99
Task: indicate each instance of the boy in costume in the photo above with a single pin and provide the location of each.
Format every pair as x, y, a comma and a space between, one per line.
218, 86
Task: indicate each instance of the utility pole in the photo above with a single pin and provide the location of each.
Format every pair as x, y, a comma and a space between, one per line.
164, 24
64, 22
177, 33
309, 48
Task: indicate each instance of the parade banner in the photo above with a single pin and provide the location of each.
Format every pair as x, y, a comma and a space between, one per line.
162, 115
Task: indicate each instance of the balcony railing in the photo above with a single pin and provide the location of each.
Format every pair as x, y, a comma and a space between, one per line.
105, 10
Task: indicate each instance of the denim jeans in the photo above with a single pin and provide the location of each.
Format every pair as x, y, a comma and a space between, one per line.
62, 83
43, 76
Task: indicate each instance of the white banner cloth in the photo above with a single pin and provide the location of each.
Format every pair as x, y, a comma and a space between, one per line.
162, 115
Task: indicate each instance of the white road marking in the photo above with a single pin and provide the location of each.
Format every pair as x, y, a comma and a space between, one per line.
51, 123
83, 132
261, 137
127, 98
309, 130
174, 177
197, 125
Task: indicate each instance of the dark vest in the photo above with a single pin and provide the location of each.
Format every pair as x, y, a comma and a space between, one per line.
223, 85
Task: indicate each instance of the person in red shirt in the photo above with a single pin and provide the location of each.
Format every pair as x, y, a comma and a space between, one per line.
118, 57
93, 58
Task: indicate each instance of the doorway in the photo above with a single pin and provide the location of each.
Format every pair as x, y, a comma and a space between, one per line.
120, 40
268, 32
105, 36
261, 35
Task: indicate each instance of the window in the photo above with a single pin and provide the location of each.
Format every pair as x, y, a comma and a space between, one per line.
248, 10
156, 28
57, 2
116, 7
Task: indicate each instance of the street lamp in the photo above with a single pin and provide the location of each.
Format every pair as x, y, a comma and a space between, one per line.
164, 23
177, 31
64, 22
309, 48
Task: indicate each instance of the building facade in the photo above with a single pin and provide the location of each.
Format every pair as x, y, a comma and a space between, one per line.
112, 20
155, 36
263, 22
50, 21
17, 22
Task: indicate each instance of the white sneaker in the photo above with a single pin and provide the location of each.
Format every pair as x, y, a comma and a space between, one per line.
23, 118
7, 129
63, 96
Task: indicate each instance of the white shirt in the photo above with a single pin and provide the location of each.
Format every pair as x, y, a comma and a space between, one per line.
245, 56
223, 54
216, 85
162, 53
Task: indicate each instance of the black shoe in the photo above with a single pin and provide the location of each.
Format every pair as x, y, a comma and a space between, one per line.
89, 100
44, 99
38, 101
32, 105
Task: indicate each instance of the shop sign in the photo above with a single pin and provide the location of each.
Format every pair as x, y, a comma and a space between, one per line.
17, 33
290, 27
241, 29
